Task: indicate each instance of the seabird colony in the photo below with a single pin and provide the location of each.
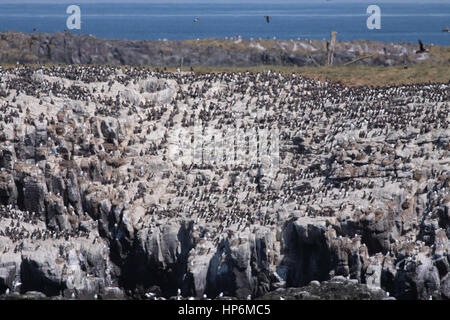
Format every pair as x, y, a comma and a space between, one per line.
110, 155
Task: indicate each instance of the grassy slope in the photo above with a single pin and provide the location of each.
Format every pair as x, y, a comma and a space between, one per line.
355, 75
352, 75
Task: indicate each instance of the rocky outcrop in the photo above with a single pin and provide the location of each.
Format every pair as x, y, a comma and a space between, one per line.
110, 186
69, 48
337, 288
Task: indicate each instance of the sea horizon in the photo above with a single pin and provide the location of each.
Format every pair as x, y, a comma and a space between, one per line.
288, 21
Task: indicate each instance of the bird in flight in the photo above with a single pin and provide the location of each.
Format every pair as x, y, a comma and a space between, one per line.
446, 30
267, 18
196, 19
421, 48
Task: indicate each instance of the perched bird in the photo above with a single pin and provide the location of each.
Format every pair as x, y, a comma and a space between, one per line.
17, 284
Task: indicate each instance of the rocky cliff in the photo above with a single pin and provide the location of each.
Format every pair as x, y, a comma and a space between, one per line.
110, 187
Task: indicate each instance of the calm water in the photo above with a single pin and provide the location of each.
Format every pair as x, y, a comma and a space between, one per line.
399, 23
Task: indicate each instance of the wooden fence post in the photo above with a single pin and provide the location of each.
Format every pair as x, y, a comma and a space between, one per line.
330, 48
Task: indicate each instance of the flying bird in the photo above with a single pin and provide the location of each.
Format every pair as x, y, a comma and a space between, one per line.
421, 48
446, 30
196, 19
267, 18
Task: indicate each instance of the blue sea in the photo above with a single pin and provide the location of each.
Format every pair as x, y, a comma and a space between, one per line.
400, 22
